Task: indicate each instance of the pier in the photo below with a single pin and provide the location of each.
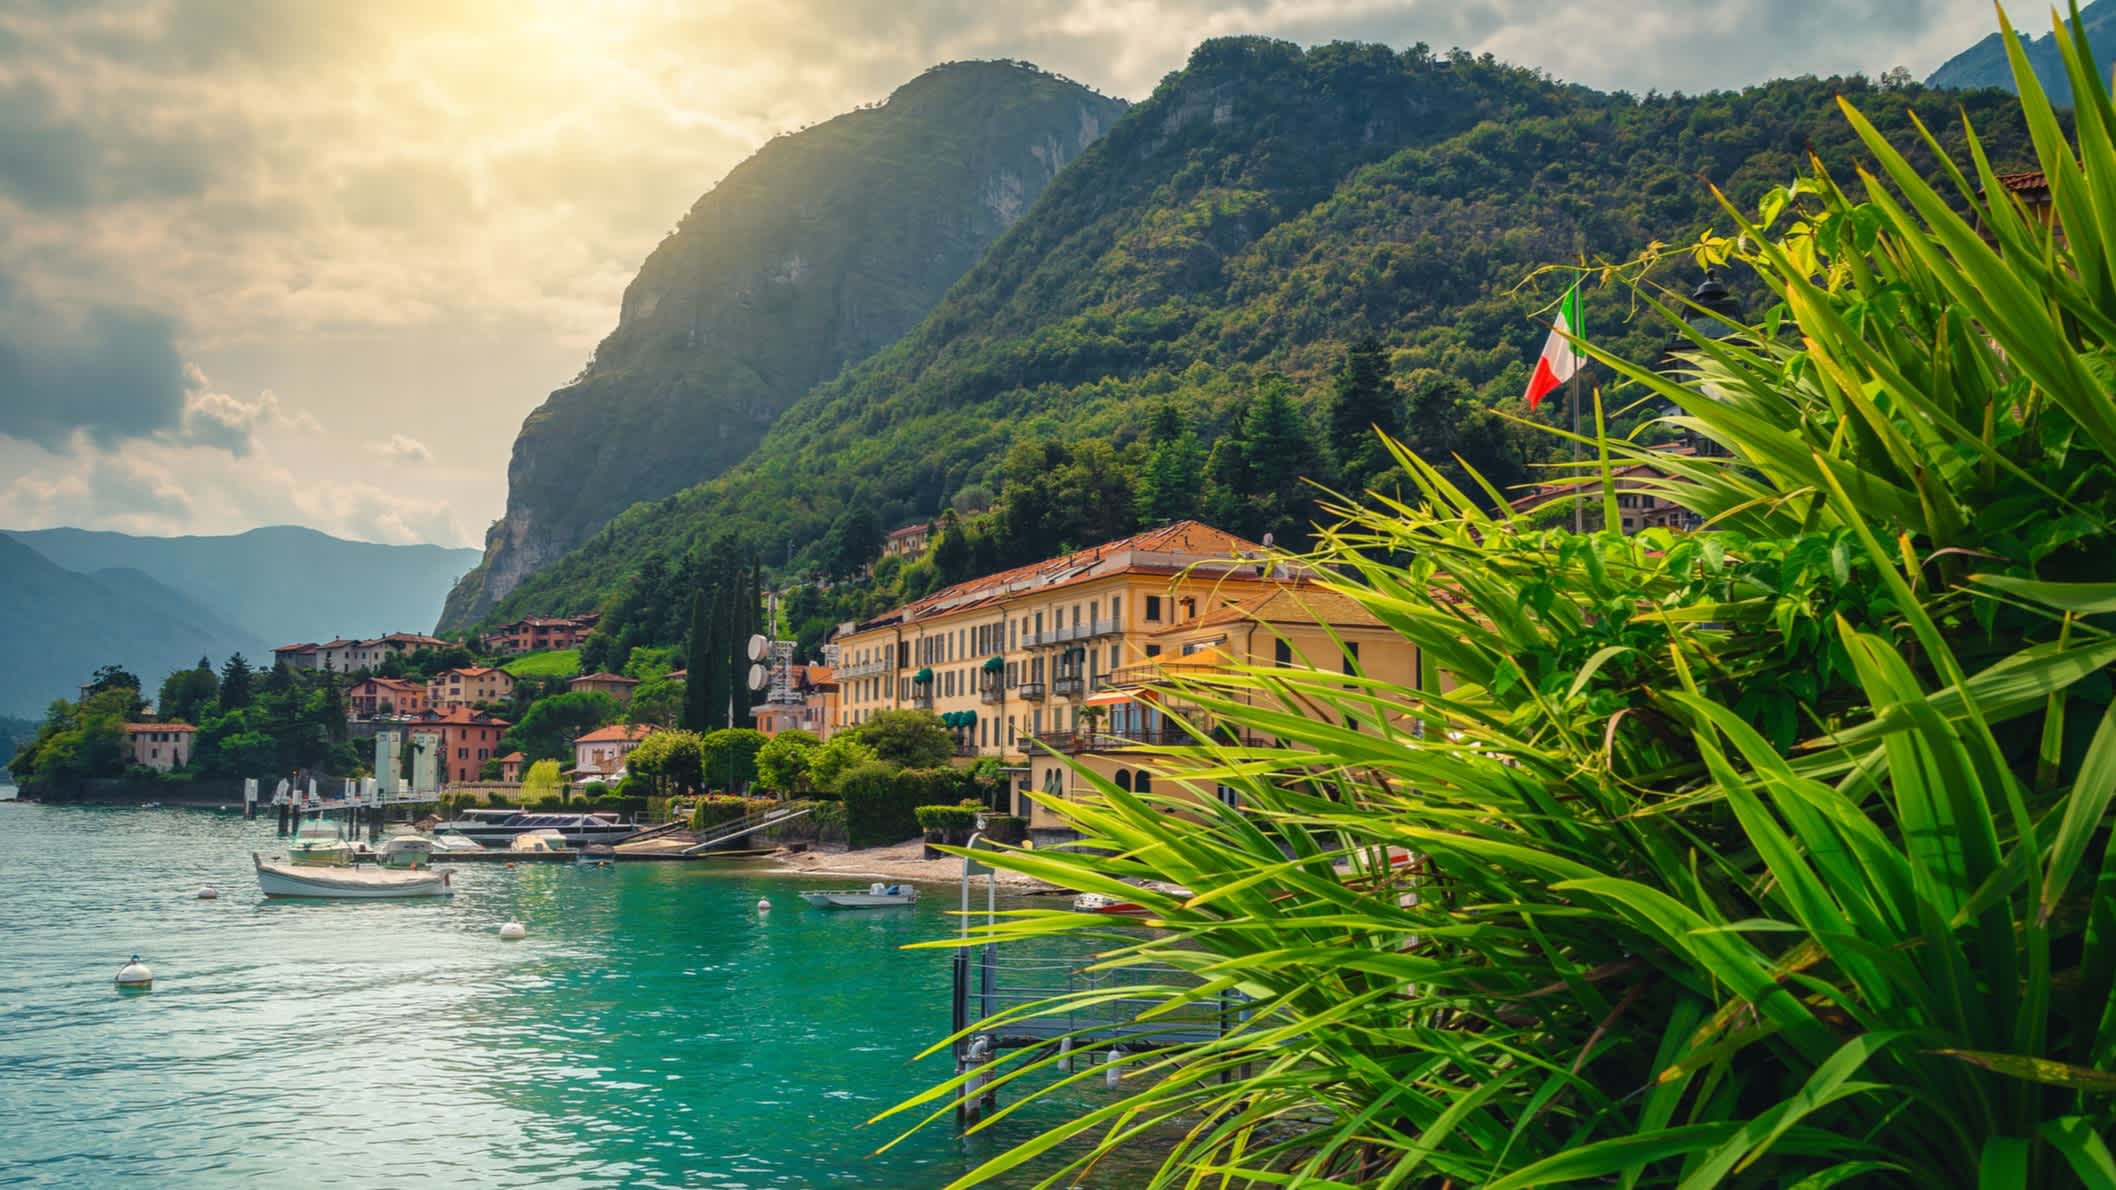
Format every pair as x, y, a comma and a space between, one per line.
987, 984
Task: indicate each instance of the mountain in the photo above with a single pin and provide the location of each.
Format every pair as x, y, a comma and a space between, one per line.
57, 626
824, 247
277, 584
1264, 209
1984, 64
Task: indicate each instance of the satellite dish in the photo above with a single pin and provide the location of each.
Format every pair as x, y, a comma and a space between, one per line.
759, 647
759, 677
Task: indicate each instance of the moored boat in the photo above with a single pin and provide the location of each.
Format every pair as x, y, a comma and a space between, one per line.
541, 840
318, 845
497, 828
1098, 903
294, 880
406, 851
874, 896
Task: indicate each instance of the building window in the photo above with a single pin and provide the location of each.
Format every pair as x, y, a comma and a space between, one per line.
1282, 652
1153, 609
1153, 650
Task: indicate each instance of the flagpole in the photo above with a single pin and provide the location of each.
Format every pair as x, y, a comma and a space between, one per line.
1579, 493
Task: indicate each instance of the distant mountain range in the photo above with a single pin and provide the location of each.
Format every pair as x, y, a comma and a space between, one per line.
74, 600
1984, 64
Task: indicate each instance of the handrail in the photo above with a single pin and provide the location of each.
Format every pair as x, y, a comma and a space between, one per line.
748, 825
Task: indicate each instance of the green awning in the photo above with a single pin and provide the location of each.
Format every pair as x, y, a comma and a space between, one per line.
994, 662
923, 676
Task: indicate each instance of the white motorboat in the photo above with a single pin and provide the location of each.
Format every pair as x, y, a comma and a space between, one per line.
874, 896
406, 851
294, 880
497, 828
541, 840
1098, 903
319, 845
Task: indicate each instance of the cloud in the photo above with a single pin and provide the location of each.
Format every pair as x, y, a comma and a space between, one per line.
107, 370
402, 449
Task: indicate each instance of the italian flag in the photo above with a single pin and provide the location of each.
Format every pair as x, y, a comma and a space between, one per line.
1558, 361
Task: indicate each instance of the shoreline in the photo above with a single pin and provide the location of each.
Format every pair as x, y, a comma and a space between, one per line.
902, 861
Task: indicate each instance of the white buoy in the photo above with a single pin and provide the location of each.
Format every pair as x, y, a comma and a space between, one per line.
763, 905
513, 931
135, 975
207, 892
1109, 1070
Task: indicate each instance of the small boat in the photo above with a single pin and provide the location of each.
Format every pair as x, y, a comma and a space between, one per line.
406, 852
318, 845
597, 853
294, 880
450, 841
538, 841
495, 828
1098, 903
874, 896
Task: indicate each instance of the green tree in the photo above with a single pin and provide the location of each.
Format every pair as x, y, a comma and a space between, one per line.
542, 780
186, 693
1280, 458
913, 739
835, 757
236, 679
699, 646
670, 761
782, 763
1363, 405
551, 725
854, 539
728, 757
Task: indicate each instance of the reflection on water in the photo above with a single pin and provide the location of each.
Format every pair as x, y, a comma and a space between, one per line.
654, 1029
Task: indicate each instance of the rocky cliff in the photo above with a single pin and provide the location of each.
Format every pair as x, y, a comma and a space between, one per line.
825, 246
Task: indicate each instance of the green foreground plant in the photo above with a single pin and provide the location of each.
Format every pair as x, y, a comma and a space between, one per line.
1775, 854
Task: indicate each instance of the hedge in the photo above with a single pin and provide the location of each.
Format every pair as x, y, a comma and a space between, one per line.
715, 809
957, 821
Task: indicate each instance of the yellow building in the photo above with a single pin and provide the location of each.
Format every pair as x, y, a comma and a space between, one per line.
1053, 651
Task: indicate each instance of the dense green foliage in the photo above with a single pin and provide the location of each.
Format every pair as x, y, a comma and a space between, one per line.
553, 663
551, 725
1571, 917
913, 739
882, 800
822, 248
1265, 210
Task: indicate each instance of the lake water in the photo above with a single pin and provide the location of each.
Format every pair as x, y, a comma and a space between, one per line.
654, 1029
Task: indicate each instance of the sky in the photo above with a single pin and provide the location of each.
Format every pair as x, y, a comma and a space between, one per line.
312, 262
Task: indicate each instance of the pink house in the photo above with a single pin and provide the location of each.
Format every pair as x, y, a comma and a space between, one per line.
161, 746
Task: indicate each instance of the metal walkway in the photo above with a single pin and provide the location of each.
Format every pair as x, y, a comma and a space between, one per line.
729, 832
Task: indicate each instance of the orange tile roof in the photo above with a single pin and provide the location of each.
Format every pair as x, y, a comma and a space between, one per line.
1170, 549
908, 530
135, 728
461, 716
1297, 603
512, 757
603, 677
618, 731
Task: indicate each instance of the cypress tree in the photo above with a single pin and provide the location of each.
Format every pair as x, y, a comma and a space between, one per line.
1363, 400
697, 682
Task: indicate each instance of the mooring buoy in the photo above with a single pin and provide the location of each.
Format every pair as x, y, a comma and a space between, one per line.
207, 892
763, 905
135, 976
513, 931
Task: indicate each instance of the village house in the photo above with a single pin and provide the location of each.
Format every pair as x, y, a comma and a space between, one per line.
353, 656
907, 542
1052, 652
617, 686
462, 739
297, 656
373, 698
535, 634
511, 768
600, 754
469, 686
161, 746
1639, 502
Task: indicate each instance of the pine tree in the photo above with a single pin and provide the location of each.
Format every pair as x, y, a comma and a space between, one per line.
696, 651
235, 680
1277, 442
1364, 403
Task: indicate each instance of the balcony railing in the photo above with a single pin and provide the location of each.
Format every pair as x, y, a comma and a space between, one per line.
1167, 736
923, 702
1070, 633
1068, 685
865, 669
991, 694
1029, 691
1154, 672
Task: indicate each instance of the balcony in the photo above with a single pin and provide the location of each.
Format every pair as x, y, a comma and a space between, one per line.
865, 669
1029, 691
1073, 632
1073, 743
922, 701
991, 694
1068, 685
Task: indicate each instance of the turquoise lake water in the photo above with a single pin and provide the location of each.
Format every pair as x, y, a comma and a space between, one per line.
653, 1030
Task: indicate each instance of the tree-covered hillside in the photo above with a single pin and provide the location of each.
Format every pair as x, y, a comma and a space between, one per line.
1264, 210
1984, 64
824, 247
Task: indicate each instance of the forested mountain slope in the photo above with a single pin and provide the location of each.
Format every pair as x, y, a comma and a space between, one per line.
1264, 209
825, 246
1984, 64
